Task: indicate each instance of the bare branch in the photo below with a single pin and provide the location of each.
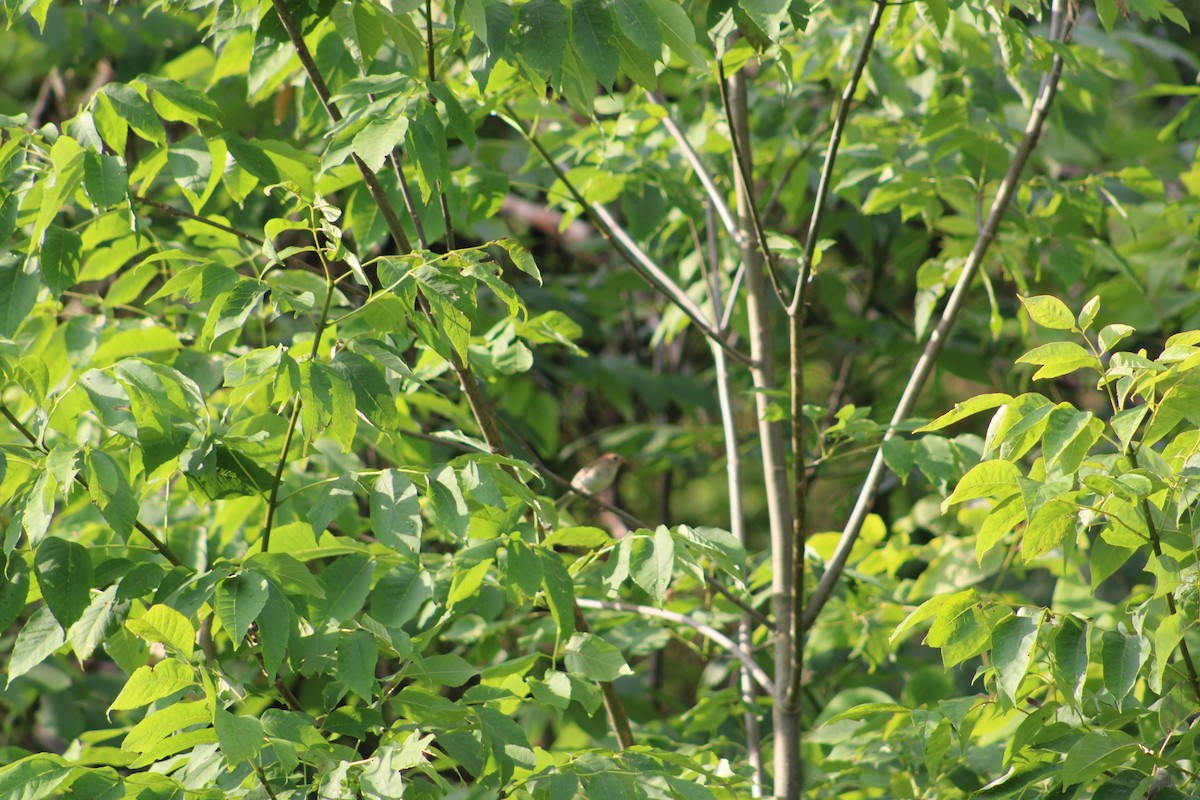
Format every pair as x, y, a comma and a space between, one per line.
708, 631
937, 339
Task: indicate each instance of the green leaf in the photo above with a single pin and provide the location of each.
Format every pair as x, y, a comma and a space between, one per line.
40, 637
148, 684
592, 30
960, 629
1108, 10
768, 15
523, 260
231, 309
396, 512
1070, 658
239, 601
1013, 640
1096, 752
18, 293
559, 592
1004, 516
1110, 335
651, 562
177, 102
1059, 358
111, 492
543, 26
446, 670
60, 257
96, 623
274, 628
347, 582
1069, 437
130, 106
594, 658
966, 408
1017, 427
679, 32
162, 723
1049, 312
467, 582
14, 588
64, 573
581, 536
373, 396
639, 24
1167, 636
240, 736
447, 503
33, 777
167, 626
357, 656
1051, 524
1122, 656
381, 135
996, 479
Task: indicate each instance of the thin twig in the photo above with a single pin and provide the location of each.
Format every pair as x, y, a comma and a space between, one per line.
788, 773
937, 339
743, 174
273, 499
821, 201
710, 187
623, 243
374, 187
159, 544
1156, 545
708, 631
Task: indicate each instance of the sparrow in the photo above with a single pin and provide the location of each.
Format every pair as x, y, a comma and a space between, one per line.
594, 478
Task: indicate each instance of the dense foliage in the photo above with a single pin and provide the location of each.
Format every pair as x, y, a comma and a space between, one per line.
308, 309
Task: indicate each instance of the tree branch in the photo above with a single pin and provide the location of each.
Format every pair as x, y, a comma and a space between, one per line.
708, 631
159, 544
623, 243
937, 339
821, 201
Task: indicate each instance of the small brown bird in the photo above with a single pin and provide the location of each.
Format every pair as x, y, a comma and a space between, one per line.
594, 478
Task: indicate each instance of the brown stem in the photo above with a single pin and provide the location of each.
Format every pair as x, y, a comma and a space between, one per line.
821, 201
788, 764
937, 339
1156, 545
374, 187
159, 545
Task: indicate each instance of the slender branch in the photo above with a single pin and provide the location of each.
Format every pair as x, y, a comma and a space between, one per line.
1156, 545
262, 779
739, 140
623, 243
821, 201
708, 631
430, 64
737, 526
710, 187
618, 720
374, 187
409, 203
788, 777
273, 499
172, 211
290, 261
937, 339
159, 544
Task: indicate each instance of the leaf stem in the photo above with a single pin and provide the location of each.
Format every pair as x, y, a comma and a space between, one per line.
159, 544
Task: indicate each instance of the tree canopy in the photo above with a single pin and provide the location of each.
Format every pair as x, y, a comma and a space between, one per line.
310, 309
